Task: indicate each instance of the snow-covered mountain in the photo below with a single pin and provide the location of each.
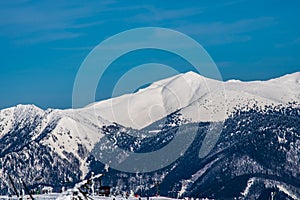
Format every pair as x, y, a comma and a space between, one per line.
56, 144
198, 98
190, 93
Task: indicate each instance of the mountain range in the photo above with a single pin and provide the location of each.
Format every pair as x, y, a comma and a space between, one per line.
257, 151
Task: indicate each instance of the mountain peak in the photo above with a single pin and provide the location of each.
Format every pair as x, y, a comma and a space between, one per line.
191, 74
193, 93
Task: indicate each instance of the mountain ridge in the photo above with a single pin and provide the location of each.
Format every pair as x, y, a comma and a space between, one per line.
58, 143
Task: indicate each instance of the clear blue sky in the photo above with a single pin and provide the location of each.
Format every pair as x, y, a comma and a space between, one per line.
43, 43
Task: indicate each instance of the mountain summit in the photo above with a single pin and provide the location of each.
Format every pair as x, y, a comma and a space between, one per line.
199, 99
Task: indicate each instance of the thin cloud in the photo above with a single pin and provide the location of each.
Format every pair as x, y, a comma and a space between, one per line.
234, 2
49, 37
267, 62
224, 32
288, 43
158, 14
240, 26
89, 48
44, 20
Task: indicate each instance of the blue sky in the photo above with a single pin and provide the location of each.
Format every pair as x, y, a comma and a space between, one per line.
43, 43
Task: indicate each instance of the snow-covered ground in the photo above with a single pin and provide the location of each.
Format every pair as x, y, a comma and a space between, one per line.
37, 197
59, 196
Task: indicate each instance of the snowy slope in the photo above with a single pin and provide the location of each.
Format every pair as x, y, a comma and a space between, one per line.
23, 114
66, 132
200, 98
